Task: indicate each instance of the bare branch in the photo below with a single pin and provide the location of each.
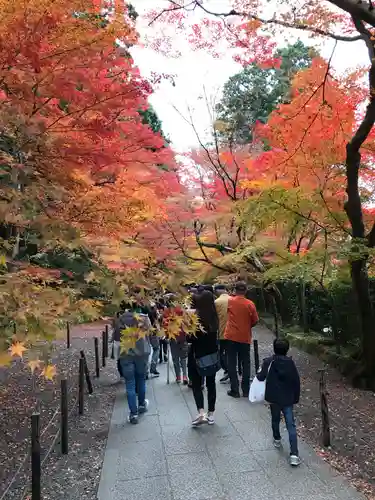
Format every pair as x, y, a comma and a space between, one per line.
349, 6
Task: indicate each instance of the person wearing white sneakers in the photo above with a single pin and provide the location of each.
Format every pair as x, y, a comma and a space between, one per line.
282, 392
204, 356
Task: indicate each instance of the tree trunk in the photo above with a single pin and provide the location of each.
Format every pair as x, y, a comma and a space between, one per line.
353, 208
16, 246
305, 323
275, 316
361, 287
263, 305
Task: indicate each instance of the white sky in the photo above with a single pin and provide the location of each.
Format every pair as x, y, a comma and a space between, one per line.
196, 71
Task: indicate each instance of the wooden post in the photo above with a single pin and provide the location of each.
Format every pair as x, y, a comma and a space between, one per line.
326, 433
103, 349
106, 341
256, 355
113, 351
275, 316
97, 370
67, 335
263, 300
36, 490
87, 373
81, 383
64, 416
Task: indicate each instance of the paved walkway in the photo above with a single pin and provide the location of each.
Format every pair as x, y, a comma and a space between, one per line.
164, 458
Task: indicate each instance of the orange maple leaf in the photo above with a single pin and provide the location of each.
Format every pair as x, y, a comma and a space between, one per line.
17, 349
49, 372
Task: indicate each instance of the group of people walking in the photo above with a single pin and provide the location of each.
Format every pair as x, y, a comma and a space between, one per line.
226, 331
222, 340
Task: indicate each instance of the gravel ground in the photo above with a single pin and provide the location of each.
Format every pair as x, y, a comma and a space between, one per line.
75, 476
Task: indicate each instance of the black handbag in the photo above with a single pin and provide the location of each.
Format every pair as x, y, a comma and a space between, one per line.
208, 365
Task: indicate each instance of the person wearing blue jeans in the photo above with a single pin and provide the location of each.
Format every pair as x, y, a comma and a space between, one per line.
282, 392
134, 373
134, 361
290, 423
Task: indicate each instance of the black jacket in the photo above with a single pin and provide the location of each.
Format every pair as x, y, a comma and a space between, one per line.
205, 341
282, 381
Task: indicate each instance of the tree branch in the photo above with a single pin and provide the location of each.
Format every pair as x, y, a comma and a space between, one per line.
361, 10
371, 237
353, 206
349, 6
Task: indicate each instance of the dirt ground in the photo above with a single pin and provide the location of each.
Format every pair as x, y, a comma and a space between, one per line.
75, 476
351, 414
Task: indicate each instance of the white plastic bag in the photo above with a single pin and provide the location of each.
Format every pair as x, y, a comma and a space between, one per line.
257, 391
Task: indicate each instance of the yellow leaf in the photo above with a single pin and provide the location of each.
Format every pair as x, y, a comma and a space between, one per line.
17, 349
34, 365
129, 337
49, 372
3, 261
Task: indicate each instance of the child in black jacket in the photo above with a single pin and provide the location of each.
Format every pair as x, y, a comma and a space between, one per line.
282, 392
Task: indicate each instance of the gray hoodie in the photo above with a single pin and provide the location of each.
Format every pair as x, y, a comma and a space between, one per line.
130, 319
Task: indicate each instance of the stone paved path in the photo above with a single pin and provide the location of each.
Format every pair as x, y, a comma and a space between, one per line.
164, 458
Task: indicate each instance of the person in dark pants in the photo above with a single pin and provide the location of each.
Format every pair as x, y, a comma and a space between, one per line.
282, 392
242, 317
163, 351
221, 304
178, 345
116, 337
239, 365
203, 343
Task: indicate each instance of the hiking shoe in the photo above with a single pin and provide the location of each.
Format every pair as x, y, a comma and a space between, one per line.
277, 443
210, 418
133, 419
185, 380
294, 460
233, 394
178, 380
199, 420
224, 379
143, 408
245, 394
190, 384
155, 373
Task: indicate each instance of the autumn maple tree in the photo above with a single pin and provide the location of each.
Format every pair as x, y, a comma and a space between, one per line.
299, 206
252, 33
79, 162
